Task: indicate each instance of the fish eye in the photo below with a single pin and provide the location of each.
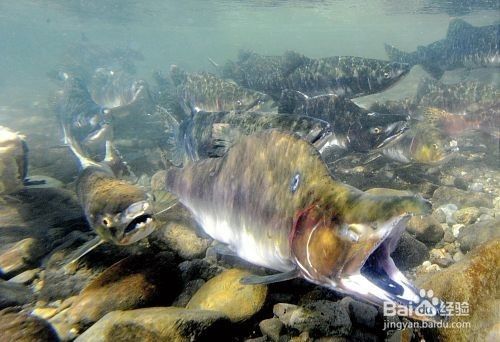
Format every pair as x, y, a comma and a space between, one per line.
294, 184
377, 130
435, 146
387, 75
238, 102
105, 222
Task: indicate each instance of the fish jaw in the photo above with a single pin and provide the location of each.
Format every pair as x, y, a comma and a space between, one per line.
392, 133
128, 226
374, 277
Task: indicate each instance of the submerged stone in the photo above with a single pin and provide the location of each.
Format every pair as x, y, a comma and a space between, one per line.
20, 256
409, 253
426, 228
320, 318
226, 294
467, 215
159, 324
12, 294
181, 239
131, 283
21, 327
461, 198
472, 236
473, 280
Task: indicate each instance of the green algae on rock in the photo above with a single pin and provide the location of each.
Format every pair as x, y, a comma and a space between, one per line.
159, 324
476, 281
226, 294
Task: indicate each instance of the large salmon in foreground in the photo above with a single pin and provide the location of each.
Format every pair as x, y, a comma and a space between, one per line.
272, 201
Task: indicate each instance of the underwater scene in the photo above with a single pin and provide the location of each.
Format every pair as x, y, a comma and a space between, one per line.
261, 170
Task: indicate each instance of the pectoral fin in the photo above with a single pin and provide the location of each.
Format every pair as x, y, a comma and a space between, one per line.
84, 249
269, 279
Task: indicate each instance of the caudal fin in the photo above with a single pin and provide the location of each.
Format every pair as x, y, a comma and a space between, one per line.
397, 55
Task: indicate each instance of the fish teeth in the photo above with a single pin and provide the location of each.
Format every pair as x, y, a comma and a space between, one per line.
143, 224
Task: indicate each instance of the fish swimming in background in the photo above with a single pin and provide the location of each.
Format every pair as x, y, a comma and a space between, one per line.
85, 118
345, 76
452, 108
118, 211
206, 92
119, 93
421, 144
464, 46
272, 201
355, 129
211, 134
483, 119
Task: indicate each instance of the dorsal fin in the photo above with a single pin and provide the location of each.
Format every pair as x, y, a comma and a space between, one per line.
178, 75
456, 28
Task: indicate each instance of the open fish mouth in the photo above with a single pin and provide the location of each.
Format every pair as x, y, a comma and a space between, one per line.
394, 132
378, 280
139, 222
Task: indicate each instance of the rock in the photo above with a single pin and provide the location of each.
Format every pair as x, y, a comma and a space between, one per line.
190, 289
26, 277
456, 228
496, 202
440, 258
21, 327
448, 235
466, 215
12, 294
181, 239
13, 159
45, 313
458, 256
20, 257
493, 334
388, 192
461, 183
425, 228
477, 187
439, 215
409, 253
473, 280
225, 293
447, 210
199, 269
62, 280
271, 328
131, 283
159, 324
478, 233
319, 318
360, 313
461, 198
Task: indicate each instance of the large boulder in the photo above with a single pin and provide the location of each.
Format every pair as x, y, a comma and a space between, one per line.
225, 293
12, 161
159, 324
474, 280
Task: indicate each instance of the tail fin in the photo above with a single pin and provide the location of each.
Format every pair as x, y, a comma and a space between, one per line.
397, 55
171, 153
293, 60
115, 162
75, 147
177, 75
